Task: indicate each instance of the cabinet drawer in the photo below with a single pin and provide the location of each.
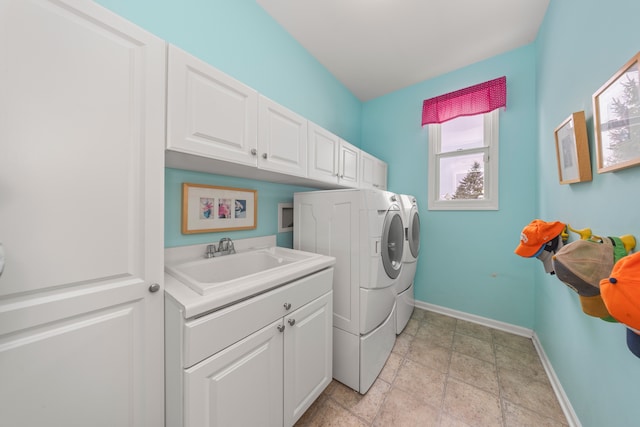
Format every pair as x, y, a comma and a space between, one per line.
209, 334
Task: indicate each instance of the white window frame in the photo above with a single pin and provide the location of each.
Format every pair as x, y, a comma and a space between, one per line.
490, 148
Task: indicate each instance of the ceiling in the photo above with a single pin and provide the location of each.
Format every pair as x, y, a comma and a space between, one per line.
375, 47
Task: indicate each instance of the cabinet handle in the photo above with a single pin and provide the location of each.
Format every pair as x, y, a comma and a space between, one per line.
154, 287
254, 151
281, 328
292, 322
264, 155
287, 306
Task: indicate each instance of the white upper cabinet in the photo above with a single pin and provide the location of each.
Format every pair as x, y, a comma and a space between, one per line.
82, 96
323, 154
209, 113
332, 159
348, 164
373, 172
215, 123
282, 139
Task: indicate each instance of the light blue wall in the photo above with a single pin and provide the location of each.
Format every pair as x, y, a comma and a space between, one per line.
581, 44
466, 260
241, 39
269, 195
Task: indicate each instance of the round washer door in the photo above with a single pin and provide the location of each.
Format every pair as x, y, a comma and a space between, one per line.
414, 233
392, 243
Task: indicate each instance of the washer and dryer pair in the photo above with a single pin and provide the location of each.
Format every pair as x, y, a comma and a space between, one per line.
365, 232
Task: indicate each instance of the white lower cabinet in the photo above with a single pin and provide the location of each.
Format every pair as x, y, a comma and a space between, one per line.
263, 368
308, 367
240, 386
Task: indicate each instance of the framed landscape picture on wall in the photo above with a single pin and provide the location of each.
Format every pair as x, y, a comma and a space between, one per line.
572, 150
616, 110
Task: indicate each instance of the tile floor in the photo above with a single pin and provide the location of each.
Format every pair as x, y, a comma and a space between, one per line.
447, 372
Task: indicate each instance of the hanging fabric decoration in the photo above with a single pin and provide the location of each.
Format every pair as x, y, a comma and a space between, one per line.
478, 99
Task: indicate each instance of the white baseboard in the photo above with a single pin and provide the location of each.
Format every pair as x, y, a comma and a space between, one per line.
563, 399
502, 326
565, 404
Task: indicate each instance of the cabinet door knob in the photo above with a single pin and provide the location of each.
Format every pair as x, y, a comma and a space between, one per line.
292, 322
287, 306
154, 287
264, 155
281, 328
254, 151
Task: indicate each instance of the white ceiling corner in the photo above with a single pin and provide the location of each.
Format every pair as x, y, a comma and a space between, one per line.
375, 47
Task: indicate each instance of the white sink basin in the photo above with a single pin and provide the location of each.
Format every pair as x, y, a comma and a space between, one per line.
231, 278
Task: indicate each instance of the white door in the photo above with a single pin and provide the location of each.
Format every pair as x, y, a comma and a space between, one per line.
81, 217
282, 139
209, 113
238, 386
308, 356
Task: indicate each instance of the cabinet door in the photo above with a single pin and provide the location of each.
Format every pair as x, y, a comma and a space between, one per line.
308, 356
282, 139
81, 173
349, 161
380, 175
209, 113
373, 172
238, 386
323, 154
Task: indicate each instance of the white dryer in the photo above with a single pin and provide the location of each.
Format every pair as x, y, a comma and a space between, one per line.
405, 301
363, 230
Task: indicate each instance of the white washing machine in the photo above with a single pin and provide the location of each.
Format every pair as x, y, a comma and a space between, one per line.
405, 301
363, 230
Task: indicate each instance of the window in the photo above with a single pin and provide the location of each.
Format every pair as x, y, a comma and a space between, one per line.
463, 163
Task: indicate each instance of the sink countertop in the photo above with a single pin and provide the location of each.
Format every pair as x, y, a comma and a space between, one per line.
194, 304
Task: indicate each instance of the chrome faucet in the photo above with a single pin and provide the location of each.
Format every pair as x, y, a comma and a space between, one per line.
225, 247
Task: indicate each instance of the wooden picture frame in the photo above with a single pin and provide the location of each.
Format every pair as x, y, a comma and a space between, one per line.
209, 208
616, 111
572, 150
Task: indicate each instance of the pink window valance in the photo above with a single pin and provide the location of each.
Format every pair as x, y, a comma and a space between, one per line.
477, 99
